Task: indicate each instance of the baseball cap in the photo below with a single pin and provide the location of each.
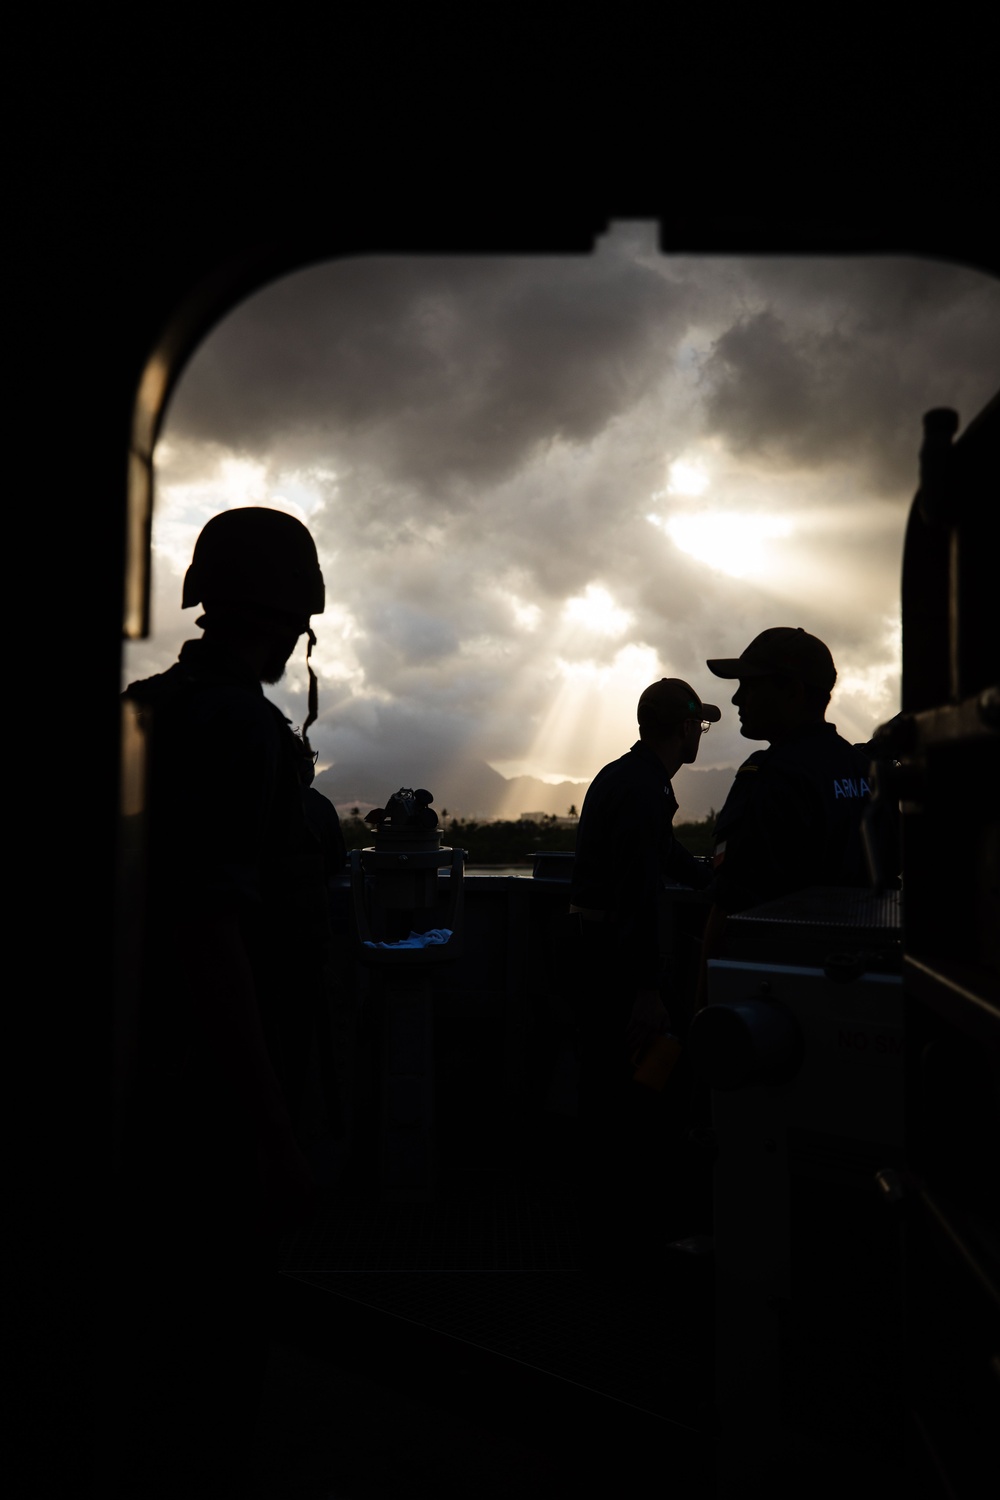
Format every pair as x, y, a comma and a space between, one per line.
670, 700
785, 651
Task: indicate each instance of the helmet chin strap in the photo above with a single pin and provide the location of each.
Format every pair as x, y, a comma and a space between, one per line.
313, 687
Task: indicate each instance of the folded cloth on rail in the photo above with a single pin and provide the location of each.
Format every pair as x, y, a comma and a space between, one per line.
417, 939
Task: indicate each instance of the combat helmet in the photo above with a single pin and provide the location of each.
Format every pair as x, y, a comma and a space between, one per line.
262, 558
256, 556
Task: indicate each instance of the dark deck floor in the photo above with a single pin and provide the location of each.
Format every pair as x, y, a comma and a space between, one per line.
459, 1347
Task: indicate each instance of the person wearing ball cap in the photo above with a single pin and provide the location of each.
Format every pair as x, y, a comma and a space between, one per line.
793, 816
625, 844
625, 849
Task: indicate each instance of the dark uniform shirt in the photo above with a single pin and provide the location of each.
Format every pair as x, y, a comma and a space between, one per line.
625, 849
228, 837
793, 820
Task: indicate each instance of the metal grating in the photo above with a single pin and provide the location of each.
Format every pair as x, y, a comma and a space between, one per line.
819, 927
833, 907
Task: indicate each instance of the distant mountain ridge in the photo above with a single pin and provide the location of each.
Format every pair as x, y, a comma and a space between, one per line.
472, 789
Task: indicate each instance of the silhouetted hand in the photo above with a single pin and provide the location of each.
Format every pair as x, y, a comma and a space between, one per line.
649, 1018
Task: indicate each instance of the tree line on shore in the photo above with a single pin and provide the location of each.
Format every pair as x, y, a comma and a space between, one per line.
504, 842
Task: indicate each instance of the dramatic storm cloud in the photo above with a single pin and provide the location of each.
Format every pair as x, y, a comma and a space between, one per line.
537, 484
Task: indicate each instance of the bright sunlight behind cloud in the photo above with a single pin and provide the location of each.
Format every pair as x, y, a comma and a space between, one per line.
480, 445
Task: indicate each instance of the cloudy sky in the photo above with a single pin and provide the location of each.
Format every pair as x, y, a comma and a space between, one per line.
539, 484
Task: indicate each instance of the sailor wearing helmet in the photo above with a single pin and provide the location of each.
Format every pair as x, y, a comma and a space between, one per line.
235, 957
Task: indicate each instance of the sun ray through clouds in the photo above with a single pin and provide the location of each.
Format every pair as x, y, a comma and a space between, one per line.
538, 483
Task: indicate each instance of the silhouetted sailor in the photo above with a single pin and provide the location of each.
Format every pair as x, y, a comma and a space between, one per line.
235, 951
793, 816
625, 850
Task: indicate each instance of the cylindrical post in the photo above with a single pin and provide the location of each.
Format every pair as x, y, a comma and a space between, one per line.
407, 1106
395, 886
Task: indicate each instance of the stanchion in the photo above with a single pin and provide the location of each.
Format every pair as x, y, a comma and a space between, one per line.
396, 893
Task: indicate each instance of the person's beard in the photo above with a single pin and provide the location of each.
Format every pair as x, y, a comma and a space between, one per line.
276, 661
